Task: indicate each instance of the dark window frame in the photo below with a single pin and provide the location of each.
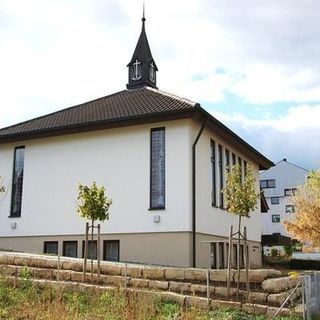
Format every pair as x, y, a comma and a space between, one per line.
151, 207
263, 184
288, 192
89, 241
45, 243
227, 155
234, 161
275, 200
240, 162
213, 174
64, 247
14, 189
274, 218
105, 242
268, 183
290, 206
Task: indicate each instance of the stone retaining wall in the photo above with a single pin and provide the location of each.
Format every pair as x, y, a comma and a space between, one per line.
269, 288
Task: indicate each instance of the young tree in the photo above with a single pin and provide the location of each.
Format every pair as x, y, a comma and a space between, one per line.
93, 204
305, 225
241, 198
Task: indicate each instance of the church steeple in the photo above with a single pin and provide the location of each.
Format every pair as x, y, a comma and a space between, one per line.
142, 68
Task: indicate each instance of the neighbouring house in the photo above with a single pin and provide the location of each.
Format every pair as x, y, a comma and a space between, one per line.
279, 183
162, 159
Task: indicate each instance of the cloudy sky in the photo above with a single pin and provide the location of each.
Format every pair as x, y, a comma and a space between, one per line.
255, 65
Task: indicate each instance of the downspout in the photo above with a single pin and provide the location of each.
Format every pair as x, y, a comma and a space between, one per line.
194, 192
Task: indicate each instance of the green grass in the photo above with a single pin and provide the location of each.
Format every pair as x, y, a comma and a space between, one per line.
27, 301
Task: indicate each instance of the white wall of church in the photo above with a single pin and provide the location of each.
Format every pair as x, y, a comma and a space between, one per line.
213, 220
119, 159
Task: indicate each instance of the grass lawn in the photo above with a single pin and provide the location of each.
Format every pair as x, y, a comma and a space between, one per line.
26, 301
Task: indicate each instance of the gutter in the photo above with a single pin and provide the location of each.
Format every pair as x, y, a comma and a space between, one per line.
194, 192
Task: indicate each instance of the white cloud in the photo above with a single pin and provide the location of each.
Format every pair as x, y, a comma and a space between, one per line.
294, 135
54, 54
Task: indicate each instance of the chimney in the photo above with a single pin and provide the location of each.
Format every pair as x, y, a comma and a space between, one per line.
284, 159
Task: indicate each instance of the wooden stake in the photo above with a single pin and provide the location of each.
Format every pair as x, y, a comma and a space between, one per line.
92, 246
238, 257
98, 253
229, 261
84, 276
246, 260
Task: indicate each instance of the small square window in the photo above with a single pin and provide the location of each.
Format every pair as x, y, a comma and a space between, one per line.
275, 200
271, 183
294, 190
92, 249
70, 249
288, 192
50, 247
111, 250
263, 184
276, 218
289, 208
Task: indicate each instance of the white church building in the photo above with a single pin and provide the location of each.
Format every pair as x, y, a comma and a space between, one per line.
162, 159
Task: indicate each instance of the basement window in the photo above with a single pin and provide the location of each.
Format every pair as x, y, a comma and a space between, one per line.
50, 247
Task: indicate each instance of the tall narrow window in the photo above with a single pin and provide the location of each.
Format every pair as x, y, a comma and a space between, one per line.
157, 168
213, 169
227, 153
221, 176
17, 182
241, 168
233, 159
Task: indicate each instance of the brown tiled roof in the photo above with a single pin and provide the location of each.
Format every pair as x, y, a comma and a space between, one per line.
124, 108
126, 104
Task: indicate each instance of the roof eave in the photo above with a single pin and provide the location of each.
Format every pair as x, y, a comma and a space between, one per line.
97, 125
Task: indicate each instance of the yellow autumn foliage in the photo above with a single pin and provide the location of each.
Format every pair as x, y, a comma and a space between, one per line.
305, 225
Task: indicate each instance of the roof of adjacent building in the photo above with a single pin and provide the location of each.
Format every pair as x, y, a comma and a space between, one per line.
127, 107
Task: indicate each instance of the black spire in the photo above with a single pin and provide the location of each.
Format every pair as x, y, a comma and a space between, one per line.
142, 68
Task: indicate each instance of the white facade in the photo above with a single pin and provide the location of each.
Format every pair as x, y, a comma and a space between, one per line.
287, 177
119, 159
